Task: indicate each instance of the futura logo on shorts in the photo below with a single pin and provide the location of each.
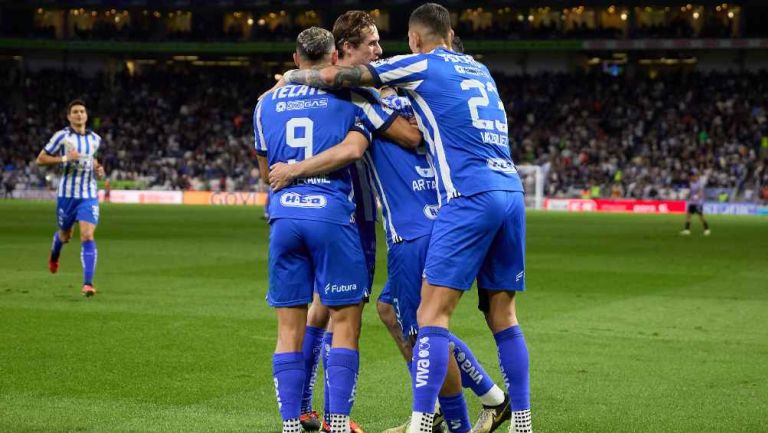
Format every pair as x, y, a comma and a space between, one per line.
422, 363
339, 288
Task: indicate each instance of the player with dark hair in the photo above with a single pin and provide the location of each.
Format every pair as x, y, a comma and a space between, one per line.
409, 203
314, 240
74, 149
357, 41
479, 232
696, 204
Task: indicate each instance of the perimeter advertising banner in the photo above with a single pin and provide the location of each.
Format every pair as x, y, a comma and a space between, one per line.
142, 197
620, 205
235, 198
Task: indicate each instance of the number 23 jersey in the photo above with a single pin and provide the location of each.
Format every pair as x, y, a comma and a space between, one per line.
462, 118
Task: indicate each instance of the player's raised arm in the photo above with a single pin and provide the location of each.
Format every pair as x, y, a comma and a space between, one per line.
349, 150
332, 77
403, 133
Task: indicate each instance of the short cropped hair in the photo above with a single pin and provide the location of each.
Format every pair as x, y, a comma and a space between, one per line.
314, 43
434, 17
74, 103
351, 27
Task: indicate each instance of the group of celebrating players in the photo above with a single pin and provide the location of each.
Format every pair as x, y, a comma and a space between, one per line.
427, 132
426, 135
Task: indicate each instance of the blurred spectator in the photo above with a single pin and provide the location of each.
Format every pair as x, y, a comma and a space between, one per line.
641, 137
596, 135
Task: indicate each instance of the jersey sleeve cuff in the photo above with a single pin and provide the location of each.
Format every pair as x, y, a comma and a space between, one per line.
363, 131
261, 153
376, 80
49, 153
387, 123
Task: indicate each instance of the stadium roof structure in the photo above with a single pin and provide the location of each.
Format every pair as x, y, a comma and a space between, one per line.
230, 4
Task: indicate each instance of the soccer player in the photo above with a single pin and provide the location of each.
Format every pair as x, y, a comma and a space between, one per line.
696, 204
405, 184
479, 232
314, 242
74, 149
357, 42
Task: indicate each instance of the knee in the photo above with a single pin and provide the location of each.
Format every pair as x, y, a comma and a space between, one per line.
65, 236
500, 319
386, 312
318, 316
428, 315
86, 235
290, 340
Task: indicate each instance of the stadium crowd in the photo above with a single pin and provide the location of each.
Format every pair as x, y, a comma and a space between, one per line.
594, 135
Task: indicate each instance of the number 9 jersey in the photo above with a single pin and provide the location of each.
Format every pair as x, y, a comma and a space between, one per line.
295, 122
461, 116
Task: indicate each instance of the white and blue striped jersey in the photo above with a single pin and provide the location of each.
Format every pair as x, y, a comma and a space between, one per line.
78, 179
461, 116
294, 122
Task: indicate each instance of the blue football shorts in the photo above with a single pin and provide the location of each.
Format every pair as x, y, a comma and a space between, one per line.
305, 255
479, 237
367, 231
70, 210
405, 266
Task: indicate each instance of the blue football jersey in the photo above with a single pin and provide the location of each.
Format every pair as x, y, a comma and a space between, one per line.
405, 183
461, 116
365, 199
295, 122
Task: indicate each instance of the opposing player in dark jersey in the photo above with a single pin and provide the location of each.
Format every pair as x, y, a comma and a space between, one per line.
479, 232
696, 204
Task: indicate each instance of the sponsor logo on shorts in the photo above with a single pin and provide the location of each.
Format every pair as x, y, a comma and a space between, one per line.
519, 276
340, 288
292, 199
431, 210
502, 165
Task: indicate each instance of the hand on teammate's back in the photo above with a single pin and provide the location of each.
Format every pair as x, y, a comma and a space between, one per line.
280, 176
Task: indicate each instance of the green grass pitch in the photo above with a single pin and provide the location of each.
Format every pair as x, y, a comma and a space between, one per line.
631, 328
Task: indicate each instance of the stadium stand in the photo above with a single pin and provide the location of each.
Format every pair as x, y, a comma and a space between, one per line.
610, 136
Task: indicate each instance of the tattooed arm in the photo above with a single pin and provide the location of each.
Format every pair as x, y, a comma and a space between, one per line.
332, 77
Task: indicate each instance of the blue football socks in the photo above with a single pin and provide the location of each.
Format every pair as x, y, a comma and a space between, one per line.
288, 373
88, 256
313, 342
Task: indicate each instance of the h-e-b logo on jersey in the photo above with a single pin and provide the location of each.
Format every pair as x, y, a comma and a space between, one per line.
292, 199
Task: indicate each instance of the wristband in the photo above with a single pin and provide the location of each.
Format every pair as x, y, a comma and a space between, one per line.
64, 159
